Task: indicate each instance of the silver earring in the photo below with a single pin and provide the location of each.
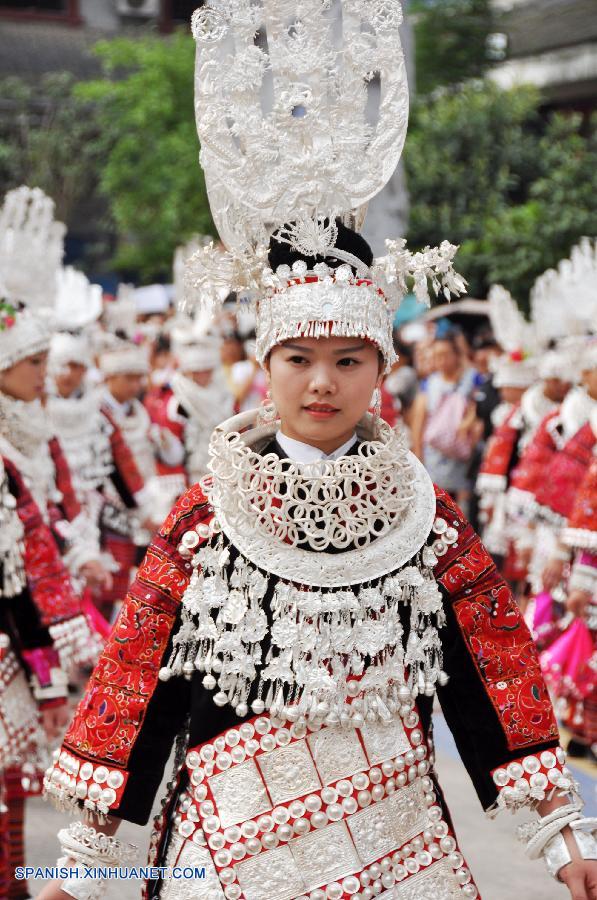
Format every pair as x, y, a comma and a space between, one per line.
267, 413
376, 410
376, 403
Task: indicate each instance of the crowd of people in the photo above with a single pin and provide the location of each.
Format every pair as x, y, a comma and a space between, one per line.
105, 427
237, 530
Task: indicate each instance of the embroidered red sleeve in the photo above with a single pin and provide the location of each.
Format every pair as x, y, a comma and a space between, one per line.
69, 502
48, 579
109, 719
581, 530
493, 474
496, 636
526, 476
562, 480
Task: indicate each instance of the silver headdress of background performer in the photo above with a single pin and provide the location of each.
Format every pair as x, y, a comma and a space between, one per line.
563, 305
302, 112
31, 249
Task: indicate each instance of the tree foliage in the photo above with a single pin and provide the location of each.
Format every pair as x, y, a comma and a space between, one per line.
48, 139
450, 41
486, 171
150, 172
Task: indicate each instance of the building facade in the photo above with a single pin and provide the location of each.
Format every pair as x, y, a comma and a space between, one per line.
553, 45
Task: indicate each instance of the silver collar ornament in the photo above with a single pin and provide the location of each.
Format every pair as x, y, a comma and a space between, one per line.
338, 650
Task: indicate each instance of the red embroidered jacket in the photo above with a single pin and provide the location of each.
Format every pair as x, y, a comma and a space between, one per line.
48, 598
530, 470
562, 478
500, 453
495, 701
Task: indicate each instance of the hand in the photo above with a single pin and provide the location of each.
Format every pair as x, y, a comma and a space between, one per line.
97, 578
54, 720
53, 891
149, 525
524, 556
552, 573
580, 877
577, 602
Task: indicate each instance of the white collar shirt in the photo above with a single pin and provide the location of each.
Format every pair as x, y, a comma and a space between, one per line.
305, 453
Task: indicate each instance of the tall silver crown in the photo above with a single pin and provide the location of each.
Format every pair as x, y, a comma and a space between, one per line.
302, 112
563, 311
564, 300
31, 247
78, 302
301, 109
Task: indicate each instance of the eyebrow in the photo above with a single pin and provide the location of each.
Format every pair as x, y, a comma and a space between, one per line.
343, 350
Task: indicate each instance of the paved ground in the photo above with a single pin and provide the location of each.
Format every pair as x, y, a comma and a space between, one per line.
496, 860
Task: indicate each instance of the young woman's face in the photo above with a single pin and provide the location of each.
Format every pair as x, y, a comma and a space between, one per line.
125, 386
26, 380
70, 378
447, 359
322, 387
201, 378
589, 380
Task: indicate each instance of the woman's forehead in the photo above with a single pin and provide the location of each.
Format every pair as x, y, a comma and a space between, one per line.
329, 345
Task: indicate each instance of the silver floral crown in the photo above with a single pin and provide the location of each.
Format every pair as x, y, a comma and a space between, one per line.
284, 95
31, 248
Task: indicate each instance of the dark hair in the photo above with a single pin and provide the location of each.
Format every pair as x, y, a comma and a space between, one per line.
484, 342
162, 344
449, 337
348, 240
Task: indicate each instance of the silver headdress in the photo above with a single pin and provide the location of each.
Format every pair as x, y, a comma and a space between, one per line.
516, 367
78, 302
302, 111
564, 300
563, 313
78, 305
31, 248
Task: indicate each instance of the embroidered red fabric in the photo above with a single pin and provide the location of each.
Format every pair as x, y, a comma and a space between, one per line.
496, 636
500, 447
530, 471
69, 503
109, 717
562, 479
583, 515
47, 578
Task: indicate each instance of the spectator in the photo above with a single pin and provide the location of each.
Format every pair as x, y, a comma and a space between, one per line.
442, 419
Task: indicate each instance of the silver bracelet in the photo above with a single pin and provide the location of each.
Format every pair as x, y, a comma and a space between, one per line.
83, 888
83, 845
537, 833
543, 837
581, 580
561, 553
556, 853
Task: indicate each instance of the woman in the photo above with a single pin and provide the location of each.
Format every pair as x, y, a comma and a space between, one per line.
310, 706
447, 458
300, 607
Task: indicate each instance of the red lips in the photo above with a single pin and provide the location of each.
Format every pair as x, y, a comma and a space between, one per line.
321, 410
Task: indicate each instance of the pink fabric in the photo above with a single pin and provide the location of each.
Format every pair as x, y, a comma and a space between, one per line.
543, 620
588, 559
566, 664
543, 610
40, 661
94, 616
441, 431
